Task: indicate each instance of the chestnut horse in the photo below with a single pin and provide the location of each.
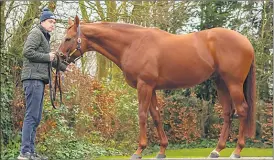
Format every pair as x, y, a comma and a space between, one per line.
152, 59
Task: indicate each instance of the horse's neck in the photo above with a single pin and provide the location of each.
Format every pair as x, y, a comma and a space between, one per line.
111, 42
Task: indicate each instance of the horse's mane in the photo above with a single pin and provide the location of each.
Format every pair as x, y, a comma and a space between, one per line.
117, 25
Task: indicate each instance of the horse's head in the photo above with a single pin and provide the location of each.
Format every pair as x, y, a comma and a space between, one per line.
72, 46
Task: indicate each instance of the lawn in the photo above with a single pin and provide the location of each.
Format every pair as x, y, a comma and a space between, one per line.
202, 153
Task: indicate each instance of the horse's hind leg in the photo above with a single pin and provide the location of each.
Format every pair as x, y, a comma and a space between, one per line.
159, 126
237, 95
226, 102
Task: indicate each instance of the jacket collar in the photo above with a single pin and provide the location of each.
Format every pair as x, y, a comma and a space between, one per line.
44, 31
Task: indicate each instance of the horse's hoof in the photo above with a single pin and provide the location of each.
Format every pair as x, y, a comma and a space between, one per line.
160, 156
234, 156
214, 154
136, 156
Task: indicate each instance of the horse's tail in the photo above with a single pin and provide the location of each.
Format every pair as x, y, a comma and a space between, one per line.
250, 97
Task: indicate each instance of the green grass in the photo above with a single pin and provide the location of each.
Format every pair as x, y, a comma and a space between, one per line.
198, 153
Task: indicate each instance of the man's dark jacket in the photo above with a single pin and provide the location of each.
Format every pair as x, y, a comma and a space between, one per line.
36, 56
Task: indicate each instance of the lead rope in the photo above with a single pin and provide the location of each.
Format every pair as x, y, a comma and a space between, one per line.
57, 83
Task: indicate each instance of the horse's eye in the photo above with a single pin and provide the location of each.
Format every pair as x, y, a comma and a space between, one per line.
67, 39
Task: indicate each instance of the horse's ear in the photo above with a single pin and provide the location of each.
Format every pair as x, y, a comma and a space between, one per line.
77, 21
70, 22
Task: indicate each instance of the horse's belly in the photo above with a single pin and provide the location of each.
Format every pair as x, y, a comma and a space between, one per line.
183, 78
184, 70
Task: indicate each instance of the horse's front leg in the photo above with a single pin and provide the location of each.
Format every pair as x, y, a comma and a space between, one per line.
144, 98
155, 113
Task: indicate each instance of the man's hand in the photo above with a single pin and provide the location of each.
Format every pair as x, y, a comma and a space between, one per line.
52, 56
68, 68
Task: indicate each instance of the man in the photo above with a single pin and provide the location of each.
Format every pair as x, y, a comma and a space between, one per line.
35, 74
